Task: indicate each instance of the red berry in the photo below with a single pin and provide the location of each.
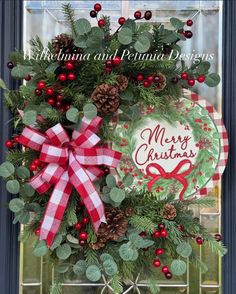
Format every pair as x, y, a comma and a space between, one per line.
58, 104
218, 237
161, 226
51, 101
80, 203
37, 162
156, 79
191, 82
67, 107
137, 14
10, 65
199, 240
156, 263
83, 236
116, 61
159, 251
108, 69
165, 269
69, 65
181, 228
108, 63
82, 242
62, 77
188, 34
93, 13
59, 97
148, 15
16, 139
184, 76
78, 226
37, 92
164, 233
146, 84
49, 91
9, 144
85, 220
140, 77
189, 22
121, 21
156, 234
150, 79
37, 231
168, 275
71, 76
101, 22
143, 234
41, 85
201, 79
33, 167
97, 7
28, 78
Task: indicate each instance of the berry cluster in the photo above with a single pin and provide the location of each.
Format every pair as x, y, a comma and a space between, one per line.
112, 63
80, 226
94, 13
149, 80
191, 80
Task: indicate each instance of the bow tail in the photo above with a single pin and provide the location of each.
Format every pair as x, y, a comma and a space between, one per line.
55, 209
184, 182
85, 187
152, 182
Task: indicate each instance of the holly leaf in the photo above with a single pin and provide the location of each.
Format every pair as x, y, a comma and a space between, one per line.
178, 267
6, 169
41, 249
212, 80
13, 186
82, 26
117, 195
63, 251
72, 114
16, 205
125, 36
90, 111
184, 249
176, 23
29, 117
93, 273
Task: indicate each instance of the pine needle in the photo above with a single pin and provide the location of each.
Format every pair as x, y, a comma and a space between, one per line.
70, 17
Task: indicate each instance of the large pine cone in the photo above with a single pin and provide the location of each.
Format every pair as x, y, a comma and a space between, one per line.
106, 98
64, 43
169, 212
116, 227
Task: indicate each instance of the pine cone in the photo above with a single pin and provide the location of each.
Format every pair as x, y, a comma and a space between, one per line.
122, 83
64, 43
101, 242
161, 84
106, 98
129, 212
169, 212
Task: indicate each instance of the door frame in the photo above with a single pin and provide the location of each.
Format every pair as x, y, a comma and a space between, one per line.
11, 15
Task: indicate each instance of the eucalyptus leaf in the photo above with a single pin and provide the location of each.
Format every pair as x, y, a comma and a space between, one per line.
184, 249
176, 23
105, 256
6, 169
80, 41
63, 268
212, 80
72, 114
27, 190
41, 249
83, 26
126, 252
142, 44
23, 172
80, 267
93, 273
131, 24
16, 205
29, 117
3, 85
52, 67
90, 111
178, 267
13, 186
135, 255
127, 95
127, 180
63, 251
110, 181
125, 36
110, 267
20, 71
23, 217
57, 241
117, 195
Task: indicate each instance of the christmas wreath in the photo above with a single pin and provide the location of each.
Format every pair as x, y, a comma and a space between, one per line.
66, 147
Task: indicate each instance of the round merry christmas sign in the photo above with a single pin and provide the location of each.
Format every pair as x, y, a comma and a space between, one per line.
183, 155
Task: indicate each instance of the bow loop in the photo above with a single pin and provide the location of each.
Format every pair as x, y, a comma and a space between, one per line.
57, 135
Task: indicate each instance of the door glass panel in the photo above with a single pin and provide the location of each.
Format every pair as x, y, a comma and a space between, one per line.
45, 19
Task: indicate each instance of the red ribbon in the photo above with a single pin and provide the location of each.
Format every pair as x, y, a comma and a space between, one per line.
174, 174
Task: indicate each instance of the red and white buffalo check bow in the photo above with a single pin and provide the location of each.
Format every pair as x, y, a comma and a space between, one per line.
70, 163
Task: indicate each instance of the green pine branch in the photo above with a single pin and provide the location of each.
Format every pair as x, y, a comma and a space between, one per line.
70, 17
142, 223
